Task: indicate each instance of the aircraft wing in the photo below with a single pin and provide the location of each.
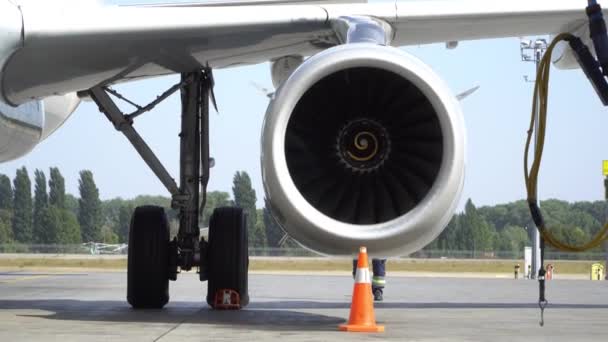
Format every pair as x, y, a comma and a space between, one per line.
93, 44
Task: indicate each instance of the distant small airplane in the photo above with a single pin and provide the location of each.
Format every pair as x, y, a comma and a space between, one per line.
96, 248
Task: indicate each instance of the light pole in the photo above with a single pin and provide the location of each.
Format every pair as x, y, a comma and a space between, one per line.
533, 51
605, 172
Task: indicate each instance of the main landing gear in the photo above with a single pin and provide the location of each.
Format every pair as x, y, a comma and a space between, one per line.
154, 259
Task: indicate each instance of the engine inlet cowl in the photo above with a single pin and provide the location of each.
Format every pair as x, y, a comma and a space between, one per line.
363, 145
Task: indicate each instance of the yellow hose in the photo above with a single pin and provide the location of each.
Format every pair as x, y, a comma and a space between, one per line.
539, 105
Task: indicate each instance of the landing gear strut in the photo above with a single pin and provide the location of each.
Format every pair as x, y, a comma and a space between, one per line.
153, 258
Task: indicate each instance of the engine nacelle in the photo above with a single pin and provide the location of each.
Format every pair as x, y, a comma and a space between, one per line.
25, 126
57, 110
20, 128
363, 145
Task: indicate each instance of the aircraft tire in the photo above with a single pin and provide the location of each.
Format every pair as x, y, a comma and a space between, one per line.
148, 260
228, 255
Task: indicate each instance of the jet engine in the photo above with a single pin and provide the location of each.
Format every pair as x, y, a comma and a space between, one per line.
25, 126
363, 145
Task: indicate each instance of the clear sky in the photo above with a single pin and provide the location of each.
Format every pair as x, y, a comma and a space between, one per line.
496, 116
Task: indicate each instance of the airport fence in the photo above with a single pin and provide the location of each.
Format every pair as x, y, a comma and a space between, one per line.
505, 255
118, 249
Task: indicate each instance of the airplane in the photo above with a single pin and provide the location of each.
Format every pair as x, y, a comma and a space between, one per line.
362, 144
105, 248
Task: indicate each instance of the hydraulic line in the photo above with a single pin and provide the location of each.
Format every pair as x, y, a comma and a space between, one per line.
596, 72
539, 105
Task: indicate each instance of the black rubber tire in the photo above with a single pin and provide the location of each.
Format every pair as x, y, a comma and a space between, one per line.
148, 262
228, 253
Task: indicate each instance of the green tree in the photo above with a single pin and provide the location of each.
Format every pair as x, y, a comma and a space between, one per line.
41, 233
52, 222
259, 240
124, 222
574, 236
447, 239
502, 215
6, 233
110, 211
108, 235
22, 207
6, 209
63, 210
452, 242
70, 228
464, 239
215, 199
512, 239
244, 197
6, 193
57, 189
71, 204
274, 233
507, 223
89, 214
478, 233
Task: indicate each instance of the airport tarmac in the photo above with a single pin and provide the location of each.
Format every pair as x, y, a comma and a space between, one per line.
90, 306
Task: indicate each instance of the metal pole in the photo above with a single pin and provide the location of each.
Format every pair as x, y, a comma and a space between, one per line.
606, 242
539, 46
538, 54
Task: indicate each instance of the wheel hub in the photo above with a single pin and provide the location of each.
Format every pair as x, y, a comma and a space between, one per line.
363, 145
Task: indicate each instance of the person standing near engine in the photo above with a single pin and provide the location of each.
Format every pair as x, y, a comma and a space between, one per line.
378, 279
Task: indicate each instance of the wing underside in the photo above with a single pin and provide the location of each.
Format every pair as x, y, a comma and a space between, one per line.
222, 3
108, 44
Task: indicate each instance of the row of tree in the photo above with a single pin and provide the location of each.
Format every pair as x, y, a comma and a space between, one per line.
54, 217
509, 227
262, 229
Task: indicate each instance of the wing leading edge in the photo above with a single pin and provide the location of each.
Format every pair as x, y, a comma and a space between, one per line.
99, 45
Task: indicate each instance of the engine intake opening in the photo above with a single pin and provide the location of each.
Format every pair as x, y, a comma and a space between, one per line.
364, 145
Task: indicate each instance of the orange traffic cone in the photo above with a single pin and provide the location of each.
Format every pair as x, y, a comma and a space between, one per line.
362, 317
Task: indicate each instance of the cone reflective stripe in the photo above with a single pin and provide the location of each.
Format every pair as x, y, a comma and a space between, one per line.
362, 276
362, 317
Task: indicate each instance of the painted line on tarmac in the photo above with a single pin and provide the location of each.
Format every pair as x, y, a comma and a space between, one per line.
25, 278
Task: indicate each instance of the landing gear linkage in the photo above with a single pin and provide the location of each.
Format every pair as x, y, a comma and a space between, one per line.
195, 87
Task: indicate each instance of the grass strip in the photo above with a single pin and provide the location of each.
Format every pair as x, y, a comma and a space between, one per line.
319, 264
